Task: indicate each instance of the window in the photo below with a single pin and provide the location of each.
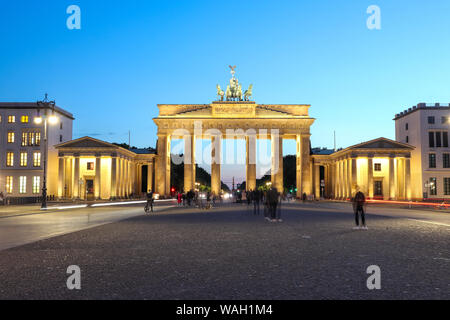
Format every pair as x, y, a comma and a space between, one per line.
24, 139
447, 186
431, 120
36, 185
60, 138
60, 125
431, 139
407, 127
433, 187
24, 119
407, 139
23, 159
438, 140
432, 160
11, 119
377, 166
446, 160
34, 139
37, 159
9, 159
90, 166
23, 185
445, 120
38, 139
9, 184
10, 137
445, 139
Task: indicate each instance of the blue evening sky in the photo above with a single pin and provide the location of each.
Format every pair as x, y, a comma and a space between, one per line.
131, 55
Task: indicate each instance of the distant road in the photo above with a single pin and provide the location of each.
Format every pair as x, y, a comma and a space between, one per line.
20, 230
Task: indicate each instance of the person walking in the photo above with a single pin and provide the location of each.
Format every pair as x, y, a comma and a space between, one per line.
278, 212
179, 199
256, 200
150, 200
358, 207
273, 202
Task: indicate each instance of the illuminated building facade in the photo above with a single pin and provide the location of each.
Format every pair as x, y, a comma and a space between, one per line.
22, 150
426, 127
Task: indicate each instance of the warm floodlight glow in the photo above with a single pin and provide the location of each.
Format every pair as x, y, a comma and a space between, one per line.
53, 119
38, 120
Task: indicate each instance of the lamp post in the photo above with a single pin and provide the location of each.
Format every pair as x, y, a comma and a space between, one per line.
45, 118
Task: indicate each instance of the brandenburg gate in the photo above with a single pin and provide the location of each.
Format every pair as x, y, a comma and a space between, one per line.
235, 118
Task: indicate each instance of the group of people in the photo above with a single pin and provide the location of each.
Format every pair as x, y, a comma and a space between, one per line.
271, 199
194, 198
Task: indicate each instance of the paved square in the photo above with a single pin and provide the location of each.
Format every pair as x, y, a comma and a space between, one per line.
229, 253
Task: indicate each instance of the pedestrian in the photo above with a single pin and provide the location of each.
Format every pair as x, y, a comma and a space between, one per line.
256, 200
184, 199
150, 199
278, 215
304, 197
273, 202
2, 198
179, 199
358, 207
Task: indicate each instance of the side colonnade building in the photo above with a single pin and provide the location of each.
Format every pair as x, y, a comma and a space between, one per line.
380, 168
92, 169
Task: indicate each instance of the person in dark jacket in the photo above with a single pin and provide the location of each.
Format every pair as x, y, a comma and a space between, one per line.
358, 207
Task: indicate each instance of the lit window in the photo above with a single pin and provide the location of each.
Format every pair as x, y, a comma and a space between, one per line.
9, 184
23, 184
24, 139
90, 166
23, 159
11, 119
9, 159
10, 137
433, 187
36, 184
24, 119
38, 139
377, 166
37, 159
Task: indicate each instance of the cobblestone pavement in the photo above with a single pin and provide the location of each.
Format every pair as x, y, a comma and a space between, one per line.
229, 253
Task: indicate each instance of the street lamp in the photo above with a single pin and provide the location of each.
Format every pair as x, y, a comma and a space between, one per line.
46, 119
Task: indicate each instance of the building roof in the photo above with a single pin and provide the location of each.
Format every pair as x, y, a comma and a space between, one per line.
33, 105
143, 151
422, 106
379, 143
322, 151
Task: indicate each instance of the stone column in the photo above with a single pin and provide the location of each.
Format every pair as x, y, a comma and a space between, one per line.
161, 163
98, 173
76, 178
299, 166
345, 178
408, 178
317, 181
392, 191
120, 183
216, 156
251, 162
189, 163
113, 177
370, 176
333, 179
168, 165
277, 162
150, 176
61, 174
354, 179
306, 168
